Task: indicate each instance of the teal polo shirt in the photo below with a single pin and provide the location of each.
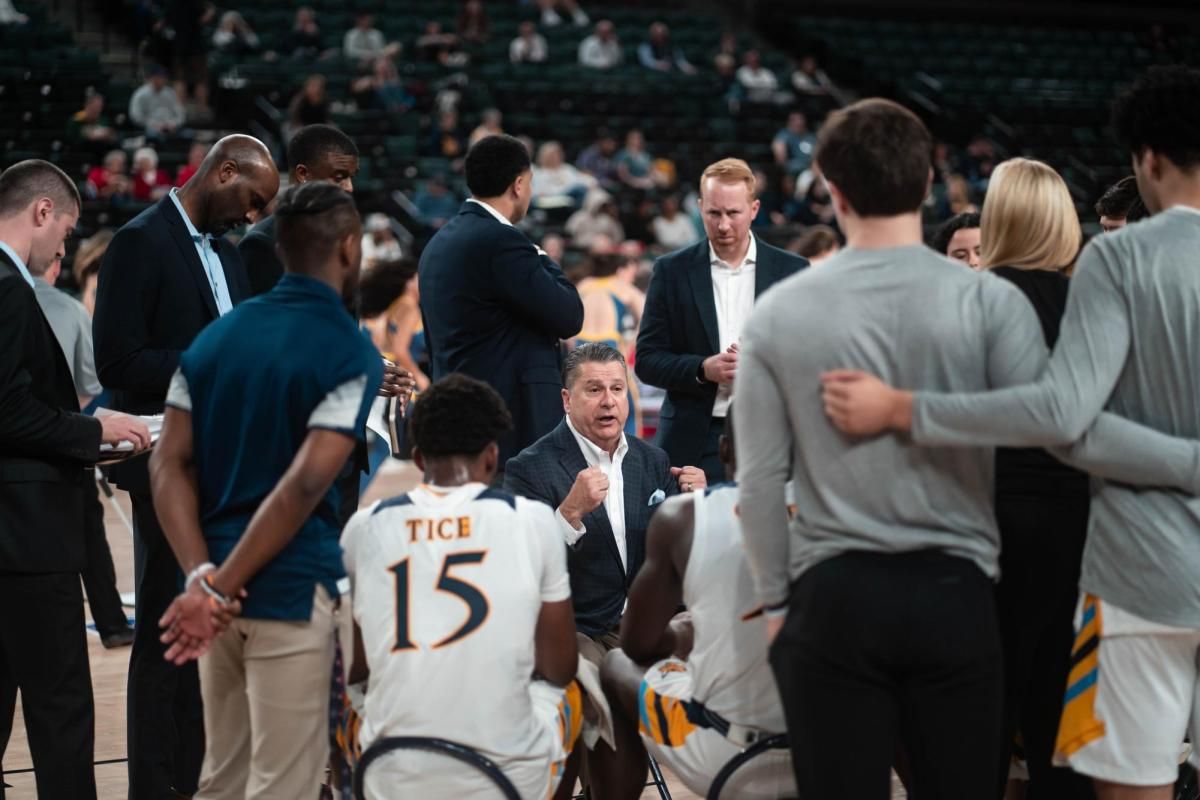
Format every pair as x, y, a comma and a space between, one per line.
256, 381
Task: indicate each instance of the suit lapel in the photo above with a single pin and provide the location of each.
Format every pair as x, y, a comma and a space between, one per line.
187, 248
700, 276
572, 463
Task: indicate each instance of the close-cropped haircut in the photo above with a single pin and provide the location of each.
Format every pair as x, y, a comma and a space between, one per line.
493, 163
730, 170
310, 220
943, 235
313, 142
458, 416
29, 181
1161, 112
1028, 218
1118, 199
878, 154
589, 353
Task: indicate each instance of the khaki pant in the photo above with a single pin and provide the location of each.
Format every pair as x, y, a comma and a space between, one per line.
593, 648
265, 685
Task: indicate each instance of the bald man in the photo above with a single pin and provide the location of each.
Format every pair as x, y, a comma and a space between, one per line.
166, 275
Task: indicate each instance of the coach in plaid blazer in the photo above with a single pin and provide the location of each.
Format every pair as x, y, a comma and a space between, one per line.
590, 472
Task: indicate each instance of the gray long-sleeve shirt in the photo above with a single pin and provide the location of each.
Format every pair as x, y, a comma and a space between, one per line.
916, 320
73, 329
1129, 342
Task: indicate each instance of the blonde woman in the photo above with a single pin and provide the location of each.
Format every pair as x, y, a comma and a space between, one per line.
1031, 236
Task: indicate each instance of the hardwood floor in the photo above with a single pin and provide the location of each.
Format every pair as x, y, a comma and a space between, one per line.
109, 670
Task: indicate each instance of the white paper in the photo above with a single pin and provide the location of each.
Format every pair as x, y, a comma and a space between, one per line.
154, 422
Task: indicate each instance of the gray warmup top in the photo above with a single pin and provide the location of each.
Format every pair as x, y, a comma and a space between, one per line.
73, 329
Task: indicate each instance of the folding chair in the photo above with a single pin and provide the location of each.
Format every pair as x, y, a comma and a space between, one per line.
777, 742
447, 748
656, 780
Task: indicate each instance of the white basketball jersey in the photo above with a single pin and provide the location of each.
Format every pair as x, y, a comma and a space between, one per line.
447, 586
728, 662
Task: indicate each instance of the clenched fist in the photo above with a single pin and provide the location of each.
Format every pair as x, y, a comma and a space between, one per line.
586, 495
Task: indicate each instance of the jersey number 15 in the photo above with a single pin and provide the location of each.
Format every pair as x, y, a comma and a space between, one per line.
477, 604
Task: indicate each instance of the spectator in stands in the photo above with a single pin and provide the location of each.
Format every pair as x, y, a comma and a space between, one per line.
808, 78
555, 247
304, 39
959, 239
89, 126
434, 44
598, 217
156, 107
196, 154
446, 139
436, 202
816, 206
599, 159
150, 183
1113, 206
234, 35
310, 105
553, 11
816, 244
601, 50
86, 266
364, 42
728, 46
634, 164
379, 243
553, 178
491, 124
673, 230
773, 204
658, 53
529, 46
110, 181
979, 162
473, 25
958, 195
382, 89
793, 145
731, 89
189, 20
9, 14
759, 82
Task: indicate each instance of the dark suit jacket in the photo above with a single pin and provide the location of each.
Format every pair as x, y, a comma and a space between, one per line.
547, 470
257, 249
496, 309
152, 299
679, 330
46, 446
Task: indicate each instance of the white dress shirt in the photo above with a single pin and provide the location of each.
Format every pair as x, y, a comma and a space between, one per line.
733, 293
614, 501
21, 268
208, 259
499, 217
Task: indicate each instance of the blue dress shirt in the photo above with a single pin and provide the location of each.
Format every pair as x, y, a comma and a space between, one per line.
209, 258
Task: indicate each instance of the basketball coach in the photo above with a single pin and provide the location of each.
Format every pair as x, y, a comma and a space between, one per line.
495, 306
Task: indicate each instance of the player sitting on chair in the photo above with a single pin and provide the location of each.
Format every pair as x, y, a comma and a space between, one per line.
461, 598
708, 692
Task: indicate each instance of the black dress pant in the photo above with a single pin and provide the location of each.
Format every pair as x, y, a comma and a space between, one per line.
99, 575
1042, 542
165, 716
880, 651
710, 459
43, 652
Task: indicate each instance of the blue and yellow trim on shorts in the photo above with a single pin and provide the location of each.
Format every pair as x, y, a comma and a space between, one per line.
662, 719
1079, 725
570, 725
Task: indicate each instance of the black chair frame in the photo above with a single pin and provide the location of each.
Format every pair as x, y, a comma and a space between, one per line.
444, 747
777, 742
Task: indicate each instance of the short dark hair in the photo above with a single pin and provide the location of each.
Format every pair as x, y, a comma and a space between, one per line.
1137, 211
458, 416
310, 220
878, 154
1161, 112
1118, 198
816, 240
493, 163
28, 181
383, 284
588, 353
312, 142
943, 235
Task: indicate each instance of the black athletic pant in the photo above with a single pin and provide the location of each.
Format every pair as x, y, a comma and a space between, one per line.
1042, 542
43, 652
880, 650
165, 716
99, 575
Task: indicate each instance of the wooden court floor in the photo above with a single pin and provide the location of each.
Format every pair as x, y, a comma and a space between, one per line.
109, 671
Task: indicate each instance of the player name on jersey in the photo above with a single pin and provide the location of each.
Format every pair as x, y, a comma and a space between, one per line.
446, 528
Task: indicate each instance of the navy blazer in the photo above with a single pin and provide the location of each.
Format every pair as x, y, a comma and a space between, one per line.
496, 308
257, 249
679, 330
152, 299
547, 471
46, 446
